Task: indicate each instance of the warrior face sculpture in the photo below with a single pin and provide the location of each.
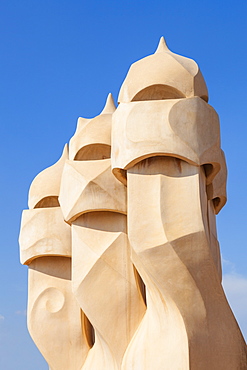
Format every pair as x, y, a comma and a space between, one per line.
125, 269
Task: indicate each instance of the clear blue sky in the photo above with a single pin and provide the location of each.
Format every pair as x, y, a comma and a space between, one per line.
58, 60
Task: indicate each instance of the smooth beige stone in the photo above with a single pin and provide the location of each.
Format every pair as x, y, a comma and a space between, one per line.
105, 281
44, 233
212, 237
45, 187
184, 128
160, 336
55, 320
169, 233
92, 138
105, 285
217, 189
91, 186
144, 289
163, 75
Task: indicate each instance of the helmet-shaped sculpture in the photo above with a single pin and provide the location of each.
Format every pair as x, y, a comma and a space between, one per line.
163, 75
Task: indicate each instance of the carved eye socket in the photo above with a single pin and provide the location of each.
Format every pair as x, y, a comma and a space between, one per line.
93, 152
158, 92
47, 202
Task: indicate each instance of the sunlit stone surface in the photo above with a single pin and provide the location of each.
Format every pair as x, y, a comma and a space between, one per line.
120, 236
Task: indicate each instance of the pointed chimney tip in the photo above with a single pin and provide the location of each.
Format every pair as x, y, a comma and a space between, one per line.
109, 107
162, 46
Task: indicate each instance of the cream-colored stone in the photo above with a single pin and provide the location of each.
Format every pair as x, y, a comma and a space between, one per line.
163, 75
105, 286
91, 187
44, 233
45, 245
182, 128
45, 188
217, 189
92, 138
104, 279
169, 234
55, 320
142, 289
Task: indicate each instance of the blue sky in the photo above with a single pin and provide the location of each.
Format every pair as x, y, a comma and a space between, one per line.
58, 61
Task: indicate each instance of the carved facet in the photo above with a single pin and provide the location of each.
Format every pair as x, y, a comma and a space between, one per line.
43, 233
182, 128
95, 131
103, 273
54, 316
47, 183
170, 234
91, 186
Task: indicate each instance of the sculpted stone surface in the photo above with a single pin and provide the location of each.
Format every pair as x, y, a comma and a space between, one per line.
45, 188
184, 128
43, 233
163, 75
121, 238
55, 320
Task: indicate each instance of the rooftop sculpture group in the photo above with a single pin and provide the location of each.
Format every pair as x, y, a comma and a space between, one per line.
120, 235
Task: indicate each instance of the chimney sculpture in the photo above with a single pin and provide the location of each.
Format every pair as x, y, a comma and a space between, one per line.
120, 237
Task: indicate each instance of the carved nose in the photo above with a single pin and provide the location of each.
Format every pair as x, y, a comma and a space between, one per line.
90, 186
